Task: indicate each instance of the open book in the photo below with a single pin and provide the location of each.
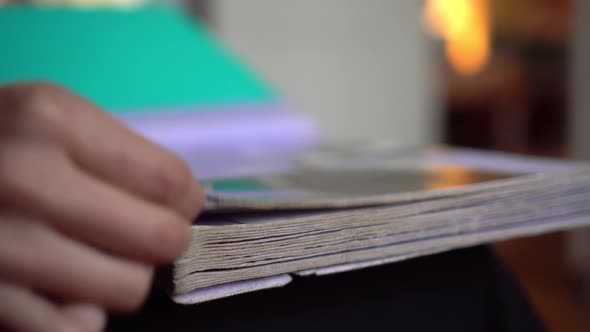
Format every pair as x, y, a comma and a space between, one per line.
338, 209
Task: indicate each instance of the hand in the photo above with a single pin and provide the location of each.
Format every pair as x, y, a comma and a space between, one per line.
87, 208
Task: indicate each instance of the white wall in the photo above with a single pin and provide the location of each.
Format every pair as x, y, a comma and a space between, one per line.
360, 67
579, 240
581, 81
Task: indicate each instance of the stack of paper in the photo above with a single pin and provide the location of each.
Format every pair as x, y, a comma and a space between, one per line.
341, 209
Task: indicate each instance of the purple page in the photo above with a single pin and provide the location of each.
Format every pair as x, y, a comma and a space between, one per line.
229, 141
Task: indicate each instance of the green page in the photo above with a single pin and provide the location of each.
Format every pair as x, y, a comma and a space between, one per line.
126, 60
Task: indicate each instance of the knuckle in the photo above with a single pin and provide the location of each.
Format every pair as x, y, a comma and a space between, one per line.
27, 96
38, 89
31, 108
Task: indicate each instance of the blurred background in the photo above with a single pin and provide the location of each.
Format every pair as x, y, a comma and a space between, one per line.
509, 75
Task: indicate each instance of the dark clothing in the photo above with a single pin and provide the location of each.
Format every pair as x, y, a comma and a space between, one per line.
463, 290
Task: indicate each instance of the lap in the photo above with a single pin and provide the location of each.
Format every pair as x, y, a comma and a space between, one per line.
462, 290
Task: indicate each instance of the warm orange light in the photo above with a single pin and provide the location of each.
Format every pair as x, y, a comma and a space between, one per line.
464, 26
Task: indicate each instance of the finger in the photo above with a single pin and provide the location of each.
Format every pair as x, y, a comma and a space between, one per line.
103, 146
23, 311
86, 317
41, 180
34, 255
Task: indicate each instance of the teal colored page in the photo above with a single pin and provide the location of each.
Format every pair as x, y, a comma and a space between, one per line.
127, 60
